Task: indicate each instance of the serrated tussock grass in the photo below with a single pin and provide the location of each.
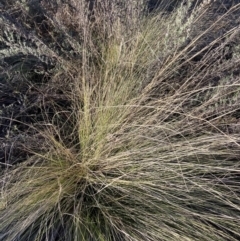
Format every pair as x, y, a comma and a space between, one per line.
136, 135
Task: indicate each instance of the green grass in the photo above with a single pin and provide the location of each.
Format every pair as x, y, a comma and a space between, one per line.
132, 134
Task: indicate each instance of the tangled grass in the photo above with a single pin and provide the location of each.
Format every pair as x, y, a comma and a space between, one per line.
132, 133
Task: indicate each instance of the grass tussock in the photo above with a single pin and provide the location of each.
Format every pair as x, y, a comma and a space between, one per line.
119, 127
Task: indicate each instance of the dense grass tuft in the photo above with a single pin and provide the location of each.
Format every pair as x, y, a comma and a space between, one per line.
117, 125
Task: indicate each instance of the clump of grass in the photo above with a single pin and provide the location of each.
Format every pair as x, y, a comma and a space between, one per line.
146, 146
